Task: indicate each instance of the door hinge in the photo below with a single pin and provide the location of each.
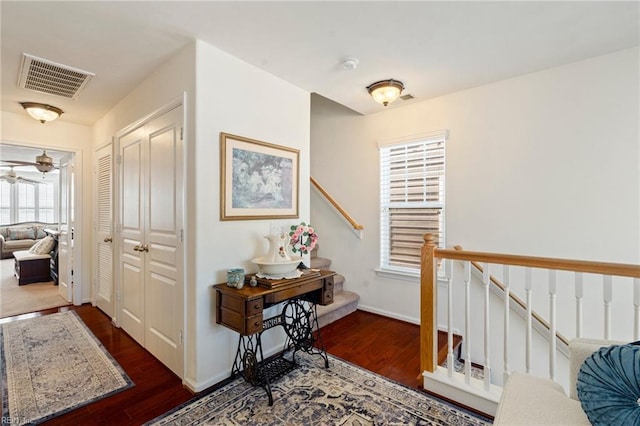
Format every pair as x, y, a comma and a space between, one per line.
118, 159
181, 133
182, 235
180, 340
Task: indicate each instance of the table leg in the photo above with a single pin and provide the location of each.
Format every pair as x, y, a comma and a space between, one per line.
300, 322
249, 361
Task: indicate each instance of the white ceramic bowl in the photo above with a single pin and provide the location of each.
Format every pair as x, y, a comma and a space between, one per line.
276, 268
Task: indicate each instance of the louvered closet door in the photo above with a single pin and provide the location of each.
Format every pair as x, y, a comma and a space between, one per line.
103, 295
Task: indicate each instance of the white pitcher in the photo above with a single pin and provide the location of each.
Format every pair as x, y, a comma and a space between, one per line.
278, 248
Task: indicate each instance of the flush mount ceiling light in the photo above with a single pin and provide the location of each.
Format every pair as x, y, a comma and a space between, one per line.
41, 112
385, 91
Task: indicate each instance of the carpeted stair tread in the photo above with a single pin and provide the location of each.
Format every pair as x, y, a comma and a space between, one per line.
338, 283
320, 263
344, 303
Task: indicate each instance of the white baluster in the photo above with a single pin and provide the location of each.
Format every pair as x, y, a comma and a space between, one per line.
579, 292
449, 277
506, 278
636, 306
607, 297
467, 322
552, 324
486, 278
527, 286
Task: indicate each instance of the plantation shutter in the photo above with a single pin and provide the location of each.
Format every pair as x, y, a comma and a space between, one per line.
412, 199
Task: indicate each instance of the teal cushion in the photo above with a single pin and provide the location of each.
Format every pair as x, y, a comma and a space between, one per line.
608, 385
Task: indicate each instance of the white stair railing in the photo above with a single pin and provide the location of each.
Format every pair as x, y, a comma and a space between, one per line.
470, 306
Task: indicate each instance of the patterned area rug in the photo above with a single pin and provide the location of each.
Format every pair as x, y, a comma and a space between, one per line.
51, 365
312, 395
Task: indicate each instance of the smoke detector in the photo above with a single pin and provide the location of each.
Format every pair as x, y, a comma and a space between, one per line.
349, 63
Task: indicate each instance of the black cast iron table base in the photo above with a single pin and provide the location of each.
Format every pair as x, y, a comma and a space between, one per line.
299, 318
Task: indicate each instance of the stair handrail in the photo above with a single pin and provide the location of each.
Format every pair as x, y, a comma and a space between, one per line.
354, 224
544, 323
428, 282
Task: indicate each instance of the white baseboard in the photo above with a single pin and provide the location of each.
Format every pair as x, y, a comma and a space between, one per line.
472, 395
195, 386
389, 314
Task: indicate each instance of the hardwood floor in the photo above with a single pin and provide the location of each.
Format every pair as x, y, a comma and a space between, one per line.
156, 389
386, 346
383, 345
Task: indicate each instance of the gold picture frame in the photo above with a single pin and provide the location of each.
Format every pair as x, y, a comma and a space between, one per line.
258, 180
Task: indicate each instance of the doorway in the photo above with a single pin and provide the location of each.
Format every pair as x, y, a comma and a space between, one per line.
34, 196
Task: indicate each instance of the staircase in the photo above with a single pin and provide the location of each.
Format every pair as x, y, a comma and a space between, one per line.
344, 302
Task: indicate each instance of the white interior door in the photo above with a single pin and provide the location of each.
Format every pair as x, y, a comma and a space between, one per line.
151, 192
65, 227
103, 290
133, 184
163, 261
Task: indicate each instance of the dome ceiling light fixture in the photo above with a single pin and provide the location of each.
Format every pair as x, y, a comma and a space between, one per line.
42, 112
385, 91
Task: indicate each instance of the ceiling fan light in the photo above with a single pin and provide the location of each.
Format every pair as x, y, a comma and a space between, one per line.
44, 163
10, 176
41, 112
385, 91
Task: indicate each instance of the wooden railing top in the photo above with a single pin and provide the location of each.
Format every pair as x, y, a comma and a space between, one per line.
516, 299
616, 269
346, 215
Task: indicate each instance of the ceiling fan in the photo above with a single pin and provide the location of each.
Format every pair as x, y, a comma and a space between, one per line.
12, 177
43, 163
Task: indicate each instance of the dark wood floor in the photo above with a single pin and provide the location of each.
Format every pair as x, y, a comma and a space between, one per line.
386, 346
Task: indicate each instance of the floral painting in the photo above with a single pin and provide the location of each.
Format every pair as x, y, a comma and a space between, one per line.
259, 179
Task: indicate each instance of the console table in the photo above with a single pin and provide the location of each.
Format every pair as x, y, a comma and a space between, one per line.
242, 309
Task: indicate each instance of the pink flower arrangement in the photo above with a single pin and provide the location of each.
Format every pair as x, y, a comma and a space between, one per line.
303, 238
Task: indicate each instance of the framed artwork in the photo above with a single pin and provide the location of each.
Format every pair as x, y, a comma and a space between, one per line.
258, 180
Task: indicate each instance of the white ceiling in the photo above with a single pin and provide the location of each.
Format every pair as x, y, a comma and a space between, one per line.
435, 48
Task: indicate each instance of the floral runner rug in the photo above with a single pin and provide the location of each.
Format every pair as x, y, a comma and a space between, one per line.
51, 365
310, 395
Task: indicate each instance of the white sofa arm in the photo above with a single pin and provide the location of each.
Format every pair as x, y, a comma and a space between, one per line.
537, 401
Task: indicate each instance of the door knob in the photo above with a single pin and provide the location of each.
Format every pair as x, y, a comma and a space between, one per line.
145, 248
108, 239
137, 247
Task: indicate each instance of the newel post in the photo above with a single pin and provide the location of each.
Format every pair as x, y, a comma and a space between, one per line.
428, 312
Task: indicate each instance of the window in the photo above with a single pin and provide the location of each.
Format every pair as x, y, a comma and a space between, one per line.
25, 202
411, 199
5, 202
46, 203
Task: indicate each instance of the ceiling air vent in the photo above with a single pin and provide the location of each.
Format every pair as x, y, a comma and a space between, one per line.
45, 76
406, 97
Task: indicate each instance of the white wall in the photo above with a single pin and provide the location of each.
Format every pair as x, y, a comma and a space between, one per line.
542, 164
21, 129
223, 94
237, 98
